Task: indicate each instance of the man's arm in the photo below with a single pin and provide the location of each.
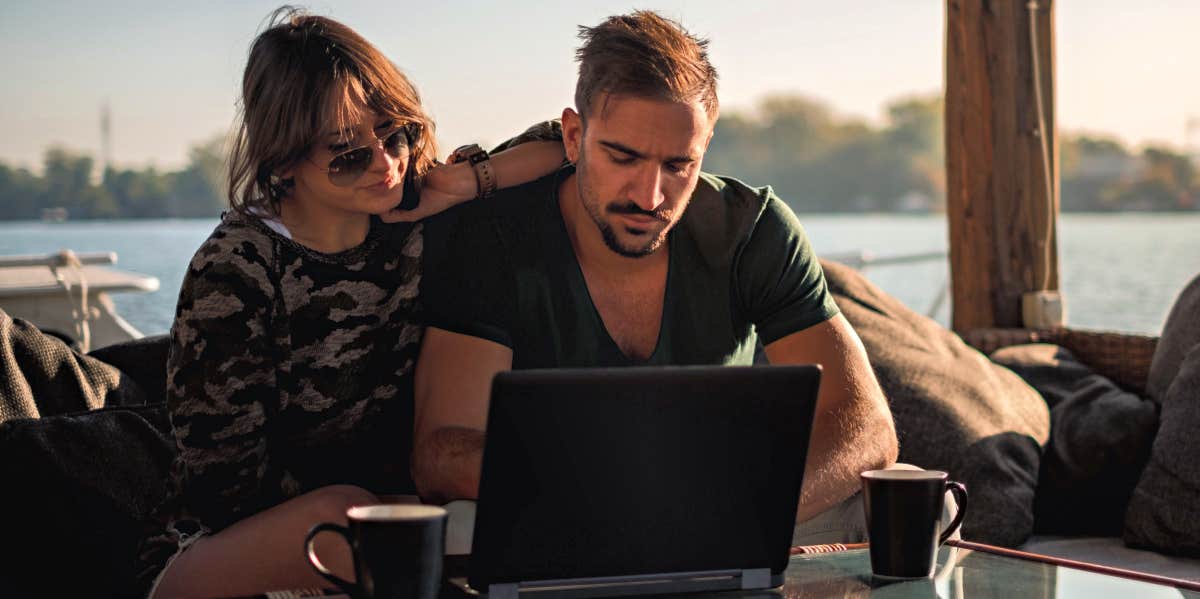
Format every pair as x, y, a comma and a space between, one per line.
453, 384
853, 429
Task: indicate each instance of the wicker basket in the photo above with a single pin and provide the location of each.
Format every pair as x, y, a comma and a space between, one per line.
1122, 357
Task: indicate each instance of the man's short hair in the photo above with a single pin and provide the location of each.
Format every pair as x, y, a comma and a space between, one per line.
645, 55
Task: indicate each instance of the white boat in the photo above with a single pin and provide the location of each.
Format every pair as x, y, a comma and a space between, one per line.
67, 294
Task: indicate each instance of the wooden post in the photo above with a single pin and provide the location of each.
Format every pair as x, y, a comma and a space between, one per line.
1003, 223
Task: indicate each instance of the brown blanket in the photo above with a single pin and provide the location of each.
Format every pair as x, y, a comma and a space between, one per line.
41, 376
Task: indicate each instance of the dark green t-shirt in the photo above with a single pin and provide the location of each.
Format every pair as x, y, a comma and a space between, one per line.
740, 269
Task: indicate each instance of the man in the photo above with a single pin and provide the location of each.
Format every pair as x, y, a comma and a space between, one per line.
631, 255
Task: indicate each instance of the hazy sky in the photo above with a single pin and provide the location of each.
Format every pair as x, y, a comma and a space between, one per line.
170, 70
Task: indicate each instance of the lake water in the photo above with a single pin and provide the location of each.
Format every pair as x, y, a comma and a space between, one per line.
1119, 271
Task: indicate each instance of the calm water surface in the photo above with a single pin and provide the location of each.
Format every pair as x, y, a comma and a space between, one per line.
1120, 271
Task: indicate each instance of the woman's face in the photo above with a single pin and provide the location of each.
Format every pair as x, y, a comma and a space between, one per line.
379, 187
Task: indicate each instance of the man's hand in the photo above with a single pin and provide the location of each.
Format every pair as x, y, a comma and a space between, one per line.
453, 386
853, 430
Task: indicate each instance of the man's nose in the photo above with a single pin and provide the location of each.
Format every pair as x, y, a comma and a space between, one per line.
647, 190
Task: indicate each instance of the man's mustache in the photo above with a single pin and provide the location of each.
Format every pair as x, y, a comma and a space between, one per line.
634, 209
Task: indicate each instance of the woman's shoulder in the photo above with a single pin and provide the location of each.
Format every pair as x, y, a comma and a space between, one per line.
237, 229
240, 250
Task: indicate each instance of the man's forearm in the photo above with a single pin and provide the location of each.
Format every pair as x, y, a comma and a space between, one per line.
831, 473
447, 463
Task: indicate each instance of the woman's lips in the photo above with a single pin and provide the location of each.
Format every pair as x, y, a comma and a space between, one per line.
383, 185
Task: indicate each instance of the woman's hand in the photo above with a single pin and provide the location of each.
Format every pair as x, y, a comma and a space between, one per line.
453, 183
445, 186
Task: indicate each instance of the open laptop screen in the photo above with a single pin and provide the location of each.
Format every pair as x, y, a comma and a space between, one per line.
633, 471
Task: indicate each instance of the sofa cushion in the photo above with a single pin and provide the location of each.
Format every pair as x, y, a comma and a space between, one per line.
78, 490
955, 410
1100, 438
144, 361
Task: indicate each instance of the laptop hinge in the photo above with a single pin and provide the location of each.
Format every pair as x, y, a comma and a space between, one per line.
758, 578
503, 591
676, 582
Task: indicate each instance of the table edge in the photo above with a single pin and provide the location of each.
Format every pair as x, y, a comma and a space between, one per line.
1078, 565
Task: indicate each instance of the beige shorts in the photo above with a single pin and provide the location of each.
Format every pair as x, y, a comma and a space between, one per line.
184, 544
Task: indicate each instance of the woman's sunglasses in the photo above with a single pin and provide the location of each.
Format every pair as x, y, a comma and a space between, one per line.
346, 167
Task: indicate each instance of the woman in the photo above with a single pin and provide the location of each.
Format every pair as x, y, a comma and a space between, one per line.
289, 376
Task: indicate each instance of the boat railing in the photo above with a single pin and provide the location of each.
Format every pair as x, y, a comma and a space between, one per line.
862, 260
75, 285
59, 259
67, 292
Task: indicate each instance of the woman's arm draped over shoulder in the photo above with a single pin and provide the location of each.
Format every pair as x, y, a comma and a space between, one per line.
221, 381
533, 154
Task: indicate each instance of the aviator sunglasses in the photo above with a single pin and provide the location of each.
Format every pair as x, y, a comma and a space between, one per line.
347, 166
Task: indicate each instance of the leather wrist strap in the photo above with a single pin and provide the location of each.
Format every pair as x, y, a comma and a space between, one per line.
485, 176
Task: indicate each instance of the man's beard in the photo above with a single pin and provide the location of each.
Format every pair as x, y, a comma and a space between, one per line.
597, 211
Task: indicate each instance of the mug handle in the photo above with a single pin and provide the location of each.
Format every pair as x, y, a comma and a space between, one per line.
348, 587
960, 495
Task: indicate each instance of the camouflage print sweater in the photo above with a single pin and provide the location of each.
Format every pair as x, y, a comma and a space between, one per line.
289, 370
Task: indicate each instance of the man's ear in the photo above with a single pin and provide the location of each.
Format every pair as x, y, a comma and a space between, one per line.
572, 129
712, 129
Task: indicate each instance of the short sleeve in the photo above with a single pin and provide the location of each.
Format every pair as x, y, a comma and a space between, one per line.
779, 281
544, 131
464, 287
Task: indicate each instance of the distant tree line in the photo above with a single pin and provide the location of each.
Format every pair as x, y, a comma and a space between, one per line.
820, 162
67, 181
815, 159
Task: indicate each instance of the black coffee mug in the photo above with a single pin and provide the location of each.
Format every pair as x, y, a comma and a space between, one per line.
397, 551
903, 509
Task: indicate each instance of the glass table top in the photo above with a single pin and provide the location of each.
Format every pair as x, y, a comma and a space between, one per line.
962, 574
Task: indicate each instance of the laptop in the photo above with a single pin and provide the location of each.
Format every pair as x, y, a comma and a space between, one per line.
641, 480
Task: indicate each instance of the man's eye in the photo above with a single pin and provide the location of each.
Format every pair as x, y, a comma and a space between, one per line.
619, 159
675, 169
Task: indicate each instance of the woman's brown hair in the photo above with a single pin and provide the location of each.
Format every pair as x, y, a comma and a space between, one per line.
302, 69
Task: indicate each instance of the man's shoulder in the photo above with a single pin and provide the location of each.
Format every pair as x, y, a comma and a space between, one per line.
512, 206
505, 219
724, 212
734, 190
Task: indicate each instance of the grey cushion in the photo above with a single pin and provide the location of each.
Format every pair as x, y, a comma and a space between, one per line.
955, 410
1100, 438
1164, 513
1180, 332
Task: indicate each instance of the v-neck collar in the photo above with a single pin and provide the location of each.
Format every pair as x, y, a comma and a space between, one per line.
576, 276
